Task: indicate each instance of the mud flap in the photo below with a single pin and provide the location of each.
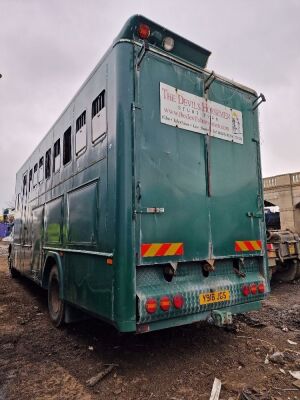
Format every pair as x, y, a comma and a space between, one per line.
73, 314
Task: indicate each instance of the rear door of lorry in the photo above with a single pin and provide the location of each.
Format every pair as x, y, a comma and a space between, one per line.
198, 194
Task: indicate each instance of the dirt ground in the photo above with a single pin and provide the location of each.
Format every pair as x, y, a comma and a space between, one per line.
38, 361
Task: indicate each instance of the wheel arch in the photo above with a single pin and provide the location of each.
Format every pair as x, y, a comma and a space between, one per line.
53, 258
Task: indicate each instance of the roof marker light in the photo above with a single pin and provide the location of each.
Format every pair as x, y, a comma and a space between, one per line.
168, 43
143, 31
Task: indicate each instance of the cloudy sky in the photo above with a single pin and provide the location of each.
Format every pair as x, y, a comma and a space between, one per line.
48, 48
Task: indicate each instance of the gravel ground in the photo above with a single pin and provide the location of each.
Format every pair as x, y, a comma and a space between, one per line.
40, 362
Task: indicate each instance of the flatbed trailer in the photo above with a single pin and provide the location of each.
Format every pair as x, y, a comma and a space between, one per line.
143, 204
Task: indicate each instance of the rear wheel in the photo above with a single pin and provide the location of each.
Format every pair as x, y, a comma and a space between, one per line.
56, 305
13, 272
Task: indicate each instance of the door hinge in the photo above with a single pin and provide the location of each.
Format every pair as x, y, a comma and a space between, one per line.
142, 54
135, 106
258, 214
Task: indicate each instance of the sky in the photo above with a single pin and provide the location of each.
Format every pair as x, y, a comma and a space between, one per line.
49, 47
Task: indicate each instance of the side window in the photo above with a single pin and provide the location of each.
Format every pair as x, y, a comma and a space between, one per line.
35, 171
24, 190
48, 164
56, 156
18, 202
67, 152
98, 117
41, 170
30, 181
80, 137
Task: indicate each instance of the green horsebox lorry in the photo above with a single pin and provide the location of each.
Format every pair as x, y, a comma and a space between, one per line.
143, 204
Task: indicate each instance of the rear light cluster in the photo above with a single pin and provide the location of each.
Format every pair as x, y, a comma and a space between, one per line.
144, 33
165, 303
253, 289
270, 246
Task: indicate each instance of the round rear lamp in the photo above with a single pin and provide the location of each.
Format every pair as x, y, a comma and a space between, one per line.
168, 43
178, 301
143, 31
253, 288
165, 303
245, 290
261, 287
151, 306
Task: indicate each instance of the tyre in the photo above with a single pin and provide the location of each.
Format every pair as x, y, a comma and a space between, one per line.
288, 272
13, 272
56, 305
298, 270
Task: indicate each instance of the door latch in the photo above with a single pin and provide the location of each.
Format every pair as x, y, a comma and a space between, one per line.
150, 210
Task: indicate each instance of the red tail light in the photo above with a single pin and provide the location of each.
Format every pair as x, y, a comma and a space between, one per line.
270, 246
253, 288
245, 290
165, 303
144, 31
178, 301
261, 287
151, 306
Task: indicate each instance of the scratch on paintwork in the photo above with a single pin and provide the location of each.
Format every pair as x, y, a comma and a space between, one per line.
252, 224
210, 242
113, 299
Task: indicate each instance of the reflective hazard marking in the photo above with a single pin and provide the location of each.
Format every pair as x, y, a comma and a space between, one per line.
248, 245
161, 249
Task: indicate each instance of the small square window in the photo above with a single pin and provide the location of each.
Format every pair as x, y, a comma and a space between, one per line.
98, 117
80, 137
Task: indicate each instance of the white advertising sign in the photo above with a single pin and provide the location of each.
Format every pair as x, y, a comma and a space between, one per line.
188, 111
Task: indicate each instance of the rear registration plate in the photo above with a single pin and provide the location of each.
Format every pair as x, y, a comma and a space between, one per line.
214, 297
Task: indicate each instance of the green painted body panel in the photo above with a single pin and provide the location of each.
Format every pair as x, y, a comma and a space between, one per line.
235, 178
90, 211
54, 221
172, 171
91, 287
170, 167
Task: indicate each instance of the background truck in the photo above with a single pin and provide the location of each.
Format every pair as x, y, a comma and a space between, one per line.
283, 254
282, 201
